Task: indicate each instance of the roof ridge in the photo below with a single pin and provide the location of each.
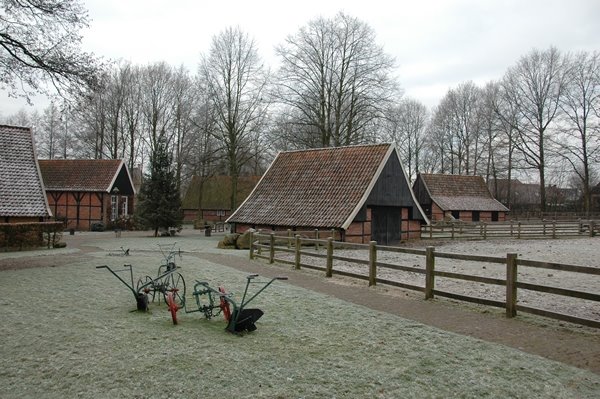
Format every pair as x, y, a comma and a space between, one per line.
337, 148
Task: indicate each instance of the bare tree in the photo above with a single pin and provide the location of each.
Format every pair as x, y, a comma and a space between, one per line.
48, 132
534, 87
334, 81
40, 43
580, 134
157, 104
236, 82
406, 126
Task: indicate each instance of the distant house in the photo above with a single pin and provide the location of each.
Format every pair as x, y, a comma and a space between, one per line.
463, 197
209, 198
84, 191
362, 192
22, 197
516, 194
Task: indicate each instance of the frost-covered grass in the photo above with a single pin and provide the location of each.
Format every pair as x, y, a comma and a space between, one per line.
69, 331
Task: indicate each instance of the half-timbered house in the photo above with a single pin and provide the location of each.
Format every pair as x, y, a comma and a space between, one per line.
83, 191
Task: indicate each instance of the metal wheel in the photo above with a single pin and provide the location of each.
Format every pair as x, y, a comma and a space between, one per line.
173, 308
175, 284
224, 305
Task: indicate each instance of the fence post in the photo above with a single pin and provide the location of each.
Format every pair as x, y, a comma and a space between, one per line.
259, 243
511, 285
272, 248
511, 228
329, 266
453, 231
554, 228
333, 234
591, 228
544, 227
297, 258
430, 229
429, 271
289, 238
519, 230
372, 263
485, 231
251, 245
316, 238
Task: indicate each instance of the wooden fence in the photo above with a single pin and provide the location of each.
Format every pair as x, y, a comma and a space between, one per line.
299, 247
510, 229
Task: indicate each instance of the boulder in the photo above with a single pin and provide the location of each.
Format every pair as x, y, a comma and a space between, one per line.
229, 241
243, 241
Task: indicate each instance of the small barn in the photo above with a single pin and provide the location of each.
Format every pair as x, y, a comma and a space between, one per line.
462, 197
209, 198
84, 191
22, 196
362, 192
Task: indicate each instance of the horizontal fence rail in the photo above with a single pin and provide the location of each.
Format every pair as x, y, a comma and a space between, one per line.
510, 229
322, 254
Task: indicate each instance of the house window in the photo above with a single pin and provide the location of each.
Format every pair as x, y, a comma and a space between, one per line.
456, 214
124, 206
114, 207
495, 216
476, 216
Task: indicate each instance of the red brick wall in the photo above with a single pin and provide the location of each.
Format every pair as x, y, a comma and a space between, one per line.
91, 208
436, 213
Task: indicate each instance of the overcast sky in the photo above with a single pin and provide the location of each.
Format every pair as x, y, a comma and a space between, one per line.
437, 43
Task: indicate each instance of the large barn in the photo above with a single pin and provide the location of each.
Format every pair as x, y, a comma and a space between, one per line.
362, 192
84, 191
461, 197
22, 197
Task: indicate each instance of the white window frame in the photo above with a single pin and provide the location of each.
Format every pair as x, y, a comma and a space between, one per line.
114, 207
124, 206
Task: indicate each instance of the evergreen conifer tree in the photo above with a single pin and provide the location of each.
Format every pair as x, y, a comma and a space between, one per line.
159, 202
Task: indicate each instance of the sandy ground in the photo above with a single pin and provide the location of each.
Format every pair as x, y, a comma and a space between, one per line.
580, 251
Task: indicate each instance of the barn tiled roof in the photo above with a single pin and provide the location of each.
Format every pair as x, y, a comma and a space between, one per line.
79, 174
216, 191
314, 188
459, 192
21, 188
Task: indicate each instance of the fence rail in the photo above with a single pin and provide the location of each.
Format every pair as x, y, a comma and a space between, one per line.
267, 246
511, 229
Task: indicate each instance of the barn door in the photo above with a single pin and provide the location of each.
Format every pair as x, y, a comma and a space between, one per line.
385, 225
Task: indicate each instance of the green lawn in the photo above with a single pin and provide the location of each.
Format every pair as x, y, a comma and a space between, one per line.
69, 331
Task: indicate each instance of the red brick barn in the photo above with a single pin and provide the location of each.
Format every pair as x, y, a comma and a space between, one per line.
22, 196
360, 191
463, 197
84, 191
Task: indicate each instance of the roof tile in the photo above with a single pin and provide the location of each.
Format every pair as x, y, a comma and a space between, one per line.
21, 188
312, 188
79, 174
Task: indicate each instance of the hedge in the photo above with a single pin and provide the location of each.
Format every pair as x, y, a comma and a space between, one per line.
16, 236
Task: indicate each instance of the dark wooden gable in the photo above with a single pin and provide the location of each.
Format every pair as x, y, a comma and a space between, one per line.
123, 182
421, 192
392, 188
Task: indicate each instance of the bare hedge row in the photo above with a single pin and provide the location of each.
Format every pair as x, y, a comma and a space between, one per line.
16, 236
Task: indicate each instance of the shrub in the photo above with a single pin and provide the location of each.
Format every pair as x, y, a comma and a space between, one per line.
21, 235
